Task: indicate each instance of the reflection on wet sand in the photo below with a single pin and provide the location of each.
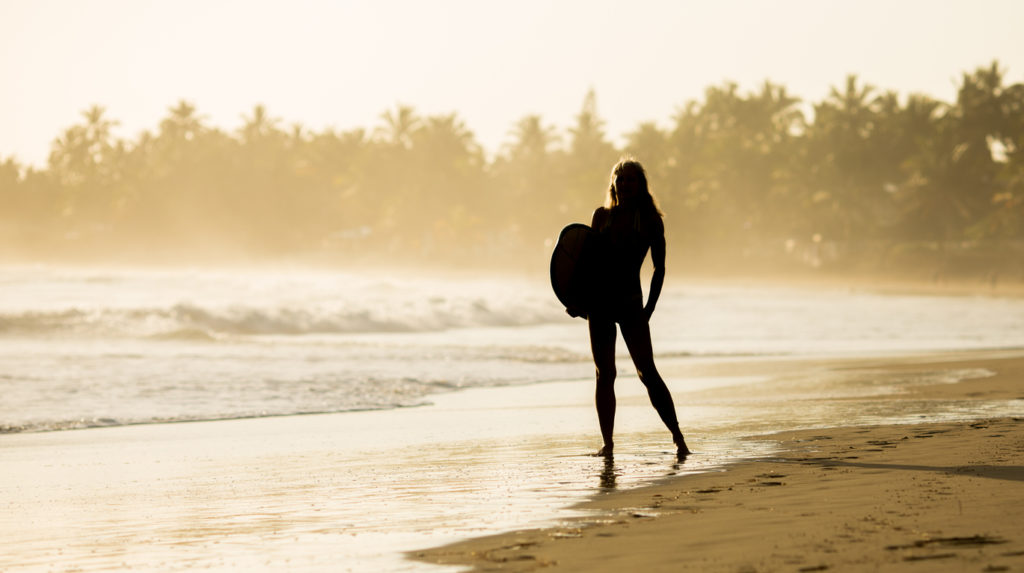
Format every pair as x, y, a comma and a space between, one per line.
356, 488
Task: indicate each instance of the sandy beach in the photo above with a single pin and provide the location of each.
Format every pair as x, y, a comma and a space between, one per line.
379, 287
946, 496
371, 491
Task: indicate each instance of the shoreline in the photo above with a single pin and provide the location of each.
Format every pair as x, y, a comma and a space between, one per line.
896, 497
713, 365
356, 490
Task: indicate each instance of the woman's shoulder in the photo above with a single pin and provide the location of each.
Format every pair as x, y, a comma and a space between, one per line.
599, 217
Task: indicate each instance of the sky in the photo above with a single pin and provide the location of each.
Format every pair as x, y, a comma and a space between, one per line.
341, 64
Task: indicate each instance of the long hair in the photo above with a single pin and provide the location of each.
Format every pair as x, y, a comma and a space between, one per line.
632, 166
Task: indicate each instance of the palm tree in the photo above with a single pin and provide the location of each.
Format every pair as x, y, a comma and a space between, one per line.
589, 159
846, 188
77, 154
182, 123
448, 166
259, 125
530, 138
526, 175
852, 105
649, 143
986, 129
447, 137
82, 161
399, 125
97, 127
10, 177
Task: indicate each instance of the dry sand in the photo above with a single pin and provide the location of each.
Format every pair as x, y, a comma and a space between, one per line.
909, 497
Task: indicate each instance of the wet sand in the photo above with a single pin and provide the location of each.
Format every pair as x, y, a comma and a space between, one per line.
930, 496
354, 491
335, 492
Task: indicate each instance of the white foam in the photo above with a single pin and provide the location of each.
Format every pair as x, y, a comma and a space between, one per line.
87, 348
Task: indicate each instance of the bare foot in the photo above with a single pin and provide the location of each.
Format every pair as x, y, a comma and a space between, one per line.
681, 449
605, 451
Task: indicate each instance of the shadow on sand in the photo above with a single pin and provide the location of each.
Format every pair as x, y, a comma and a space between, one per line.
1009, 473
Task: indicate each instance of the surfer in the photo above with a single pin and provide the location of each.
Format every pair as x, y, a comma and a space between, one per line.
628, 224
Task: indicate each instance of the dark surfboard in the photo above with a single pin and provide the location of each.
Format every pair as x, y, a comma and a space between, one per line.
572, 267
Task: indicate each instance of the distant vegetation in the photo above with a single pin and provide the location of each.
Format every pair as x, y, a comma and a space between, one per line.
870, 180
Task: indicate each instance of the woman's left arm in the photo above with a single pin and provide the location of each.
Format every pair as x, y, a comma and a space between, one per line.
657, 235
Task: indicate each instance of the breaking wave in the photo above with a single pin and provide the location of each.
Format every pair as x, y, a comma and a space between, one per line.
186, 321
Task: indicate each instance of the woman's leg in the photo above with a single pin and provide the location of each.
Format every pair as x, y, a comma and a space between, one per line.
637, 334
602, 344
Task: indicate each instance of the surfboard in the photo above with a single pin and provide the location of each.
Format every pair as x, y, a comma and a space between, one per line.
572, 267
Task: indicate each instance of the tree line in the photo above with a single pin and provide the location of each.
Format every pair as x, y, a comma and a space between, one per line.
863, 177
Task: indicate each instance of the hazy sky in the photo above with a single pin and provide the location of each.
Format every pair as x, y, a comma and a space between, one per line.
343, 63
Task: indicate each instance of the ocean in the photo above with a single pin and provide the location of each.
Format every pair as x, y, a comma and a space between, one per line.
88, 348
480, 390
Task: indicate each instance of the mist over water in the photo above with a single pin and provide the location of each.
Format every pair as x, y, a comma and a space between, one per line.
81, 348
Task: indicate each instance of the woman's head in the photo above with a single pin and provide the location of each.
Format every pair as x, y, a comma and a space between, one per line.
628, 186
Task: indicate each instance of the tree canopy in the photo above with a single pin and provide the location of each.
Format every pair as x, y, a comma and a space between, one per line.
864, 176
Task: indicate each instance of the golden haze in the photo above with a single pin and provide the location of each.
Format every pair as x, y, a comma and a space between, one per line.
873, 180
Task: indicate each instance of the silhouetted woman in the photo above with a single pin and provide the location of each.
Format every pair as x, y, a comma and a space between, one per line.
627, 226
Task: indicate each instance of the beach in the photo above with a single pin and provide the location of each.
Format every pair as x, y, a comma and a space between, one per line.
457, 287
501, 478
928, 496
322, 420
